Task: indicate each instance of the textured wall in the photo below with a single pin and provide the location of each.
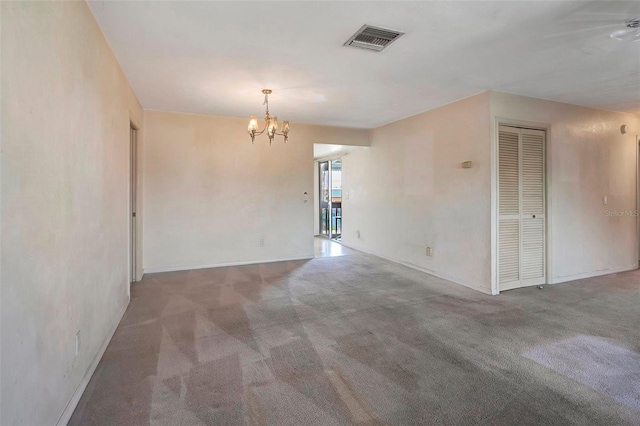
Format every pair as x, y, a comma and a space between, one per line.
588, 158
211, 196
409, 191
66, 107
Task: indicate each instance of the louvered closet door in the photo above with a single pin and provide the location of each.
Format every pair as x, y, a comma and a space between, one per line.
521, 182
533, 219
509, 208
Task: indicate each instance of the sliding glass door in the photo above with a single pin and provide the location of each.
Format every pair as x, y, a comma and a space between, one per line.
336, 199
330, 193
325, 198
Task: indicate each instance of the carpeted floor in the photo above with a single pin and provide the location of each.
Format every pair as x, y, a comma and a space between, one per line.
359, 340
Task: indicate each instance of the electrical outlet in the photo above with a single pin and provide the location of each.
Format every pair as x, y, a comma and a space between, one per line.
428, 251
78, 342
261, 242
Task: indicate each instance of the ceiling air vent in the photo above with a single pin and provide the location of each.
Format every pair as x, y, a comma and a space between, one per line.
373, 38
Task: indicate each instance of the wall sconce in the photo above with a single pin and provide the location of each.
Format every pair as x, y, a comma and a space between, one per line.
623, 129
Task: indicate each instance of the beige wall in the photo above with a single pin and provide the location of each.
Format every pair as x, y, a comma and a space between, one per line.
211, 196
409, 191
587, 158
66, 107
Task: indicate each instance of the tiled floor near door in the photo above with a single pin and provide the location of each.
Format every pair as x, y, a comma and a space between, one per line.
325, 247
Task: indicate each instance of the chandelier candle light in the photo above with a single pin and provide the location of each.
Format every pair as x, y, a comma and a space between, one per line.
270, 123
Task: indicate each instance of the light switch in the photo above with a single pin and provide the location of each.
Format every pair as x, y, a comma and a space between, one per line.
604, 200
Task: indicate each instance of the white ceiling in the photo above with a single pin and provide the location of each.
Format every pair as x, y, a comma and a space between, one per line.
215, 57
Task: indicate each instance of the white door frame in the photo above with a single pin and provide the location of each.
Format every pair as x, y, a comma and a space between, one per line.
545, 127
134, 199
638, 199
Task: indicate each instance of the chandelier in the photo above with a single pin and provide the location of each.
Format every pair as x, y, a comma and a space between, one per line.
270, 123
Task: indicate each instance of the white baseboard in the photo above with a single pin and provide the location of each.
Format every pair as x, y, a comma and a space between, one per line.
220, 265
75, 398
573, 277
452, 279
421, 269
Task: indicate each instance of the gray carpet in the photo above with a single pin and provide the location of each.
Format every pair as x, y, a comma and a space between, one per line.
359, 340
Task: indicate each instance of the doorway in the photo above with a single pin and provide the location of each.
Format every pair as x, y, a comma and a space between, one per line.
330, 196
133, 186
